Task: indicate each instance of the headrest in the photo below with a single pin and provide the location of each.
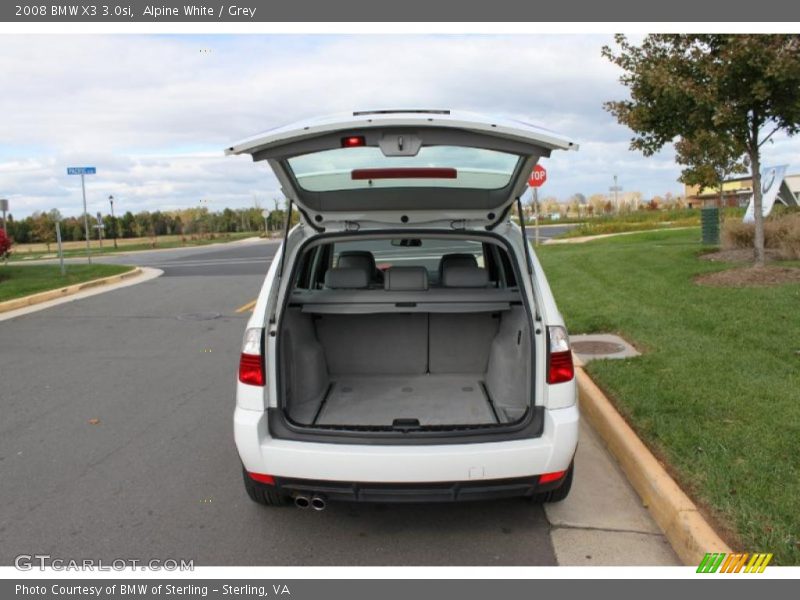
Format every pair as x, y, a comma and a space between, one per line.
406, 279
358, 259
456, 260
465, 277
346, 278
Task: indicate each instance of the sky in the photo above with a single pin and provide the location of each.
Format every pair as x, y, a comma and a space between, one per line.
153, 113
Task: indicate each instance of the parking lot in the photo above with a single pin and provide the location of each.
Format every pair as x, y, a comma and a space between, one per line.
116, 442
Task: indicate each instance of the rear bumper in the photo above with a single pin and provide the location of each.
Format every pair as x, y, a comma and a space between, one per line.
459, 491
452, 464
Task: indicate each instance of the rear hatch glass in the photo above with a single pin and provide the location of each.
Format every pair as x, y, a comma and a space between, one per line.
434, 166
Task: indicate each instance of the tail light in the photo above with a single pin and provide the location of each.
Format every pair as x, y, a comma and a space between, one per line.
559, 356
251, 362
262, 478
551, 477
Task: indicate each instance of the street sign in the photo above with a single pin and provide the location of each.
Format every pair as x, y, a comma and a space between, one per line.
538, 176
84, 171
81, 171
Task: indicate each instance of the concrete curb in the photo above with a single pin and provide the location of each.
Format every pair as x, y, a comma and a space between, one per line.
687, 531
41, 297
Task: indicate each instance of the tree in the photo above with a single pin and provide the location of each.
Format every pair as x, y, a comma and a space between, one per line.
741, 87
597, 202
710, 158
43, 228
127, 224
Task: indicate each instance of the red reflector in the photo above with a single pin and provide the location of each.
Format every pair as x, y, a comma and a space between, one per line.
261, 478
251, 369
405, 173
550, 477
353, 141
561, 368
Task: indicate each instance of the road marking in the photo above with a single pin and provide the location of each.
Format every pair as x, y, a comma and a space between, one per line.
248, 306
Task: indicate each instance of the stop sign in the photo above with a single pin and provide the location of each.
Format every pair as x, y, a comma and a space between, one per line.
538, 177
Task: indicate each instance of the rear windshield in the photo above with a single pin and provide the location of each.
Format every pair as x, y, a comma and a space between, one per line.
366, 167
426, 252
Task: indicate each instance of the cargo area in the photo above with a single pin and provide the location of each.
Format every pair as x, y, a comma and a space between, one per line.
395, 370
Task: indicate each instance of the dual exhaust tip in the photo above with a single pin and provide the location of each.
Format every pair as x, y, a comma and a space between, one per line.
316, 502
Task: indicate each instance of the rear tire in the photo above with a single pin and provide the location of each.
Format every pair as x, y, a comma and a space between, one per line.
263, 494
558, 494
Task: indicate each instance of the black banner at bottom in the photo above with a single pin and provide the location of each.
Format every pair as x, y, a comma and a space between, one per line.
410, 589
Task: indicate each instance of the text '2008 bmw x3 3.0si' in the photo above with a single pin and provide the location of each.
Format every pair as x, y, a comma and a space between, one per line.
405, 345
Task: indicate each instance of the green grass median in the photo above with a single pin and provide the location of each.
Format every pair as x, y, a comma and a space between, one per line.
716, 392
18, 281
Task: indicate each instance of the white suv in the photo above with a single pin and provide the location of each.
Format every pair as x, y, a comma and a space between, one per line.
405, 345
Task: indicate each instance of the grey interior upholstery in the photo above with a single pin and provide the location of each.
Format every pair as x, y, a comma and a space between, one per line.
346, 278
407, 351
459, 343
465, 277
510, 363
456, 260
361, 259
376, 343
406, 279
432, 399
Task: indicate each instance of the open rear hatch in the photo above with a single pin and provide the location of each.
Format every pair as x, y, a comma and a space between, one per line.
405, 338
404, 166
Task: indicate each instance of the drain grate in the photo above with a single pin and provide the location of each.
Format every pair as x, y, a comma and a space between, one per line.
200, 316
596, 347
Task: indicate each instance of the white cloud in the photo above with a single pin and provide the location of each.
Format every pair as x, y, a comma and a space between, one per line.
154, 112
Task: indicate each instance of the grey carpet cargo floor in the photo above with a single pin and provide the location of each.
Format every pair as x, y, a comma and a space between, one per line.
432, 399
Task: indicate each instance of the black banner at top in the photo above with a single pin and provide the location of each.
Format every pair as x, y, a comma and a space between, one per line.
261, 11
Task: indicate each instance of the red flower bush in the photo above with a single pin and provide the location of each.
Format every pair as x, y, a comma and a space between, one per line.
5, 244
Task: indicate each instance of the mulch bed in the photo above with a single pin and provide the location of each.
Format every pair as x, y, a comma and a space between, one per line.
739, 255
750, 277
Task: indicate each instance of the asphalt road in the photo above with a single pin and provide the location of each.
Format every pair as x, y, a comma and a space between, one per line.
157, 475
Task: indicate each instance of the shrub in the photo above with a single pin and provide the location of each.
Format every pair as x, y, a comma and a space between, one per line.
5, 244
781, 232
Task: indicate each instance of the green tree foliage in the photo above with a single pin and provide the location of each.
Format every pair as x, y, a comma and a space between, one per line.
195, 221
687, 86
710, 157
43, 228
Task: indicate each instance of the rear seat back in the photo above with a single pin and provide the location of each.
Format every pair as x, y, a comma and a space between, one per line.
346, 278
456, 260
406, 279
368, 344
361, 259
465, 277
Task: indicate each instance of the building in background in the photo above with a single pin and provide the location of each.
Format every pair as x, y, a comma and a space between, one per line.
736, 192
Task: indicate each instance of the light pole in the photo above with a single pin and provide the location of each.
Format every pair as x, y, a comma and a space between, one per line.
113, 220
616, 189
4, 208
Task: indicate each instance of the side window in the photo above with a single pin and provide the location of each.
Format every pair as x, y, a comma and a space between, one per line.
508, 269
303, 274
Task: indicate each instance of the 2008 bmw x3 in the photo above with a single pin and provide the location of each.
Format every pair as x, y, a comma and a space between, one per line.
405, 345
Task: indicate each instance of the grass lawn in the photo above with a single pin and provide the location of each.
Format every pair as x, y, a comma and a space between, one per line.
716, 392
16, 281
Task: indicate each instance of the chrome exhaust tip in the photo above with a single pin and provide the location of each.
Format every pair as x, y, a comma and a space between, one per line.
318, 503
302, 501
